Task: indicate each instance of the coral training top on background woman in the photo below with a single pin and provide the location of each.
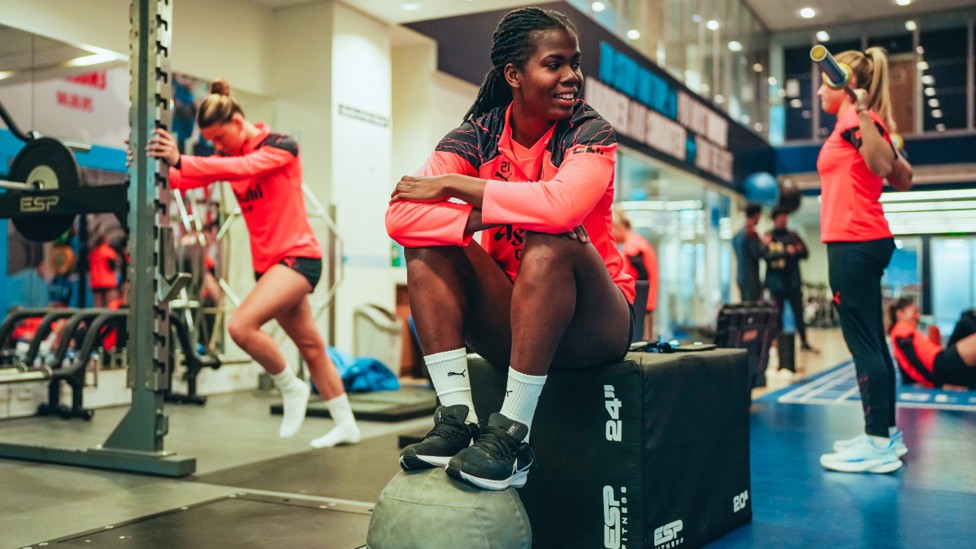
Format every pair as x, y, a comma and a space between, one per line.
532, 168
925, 362
853, 163
265, 173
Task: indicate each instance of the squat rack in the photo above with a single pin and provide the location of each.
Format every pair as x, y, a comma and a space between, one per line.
136, 444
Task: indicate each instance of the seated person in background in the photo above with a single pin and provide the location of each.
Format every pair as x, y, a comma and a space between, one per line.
924, 362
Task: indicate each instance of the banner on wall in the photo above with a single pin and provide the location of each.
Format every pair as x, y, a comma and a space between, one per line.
91, 108
650, 110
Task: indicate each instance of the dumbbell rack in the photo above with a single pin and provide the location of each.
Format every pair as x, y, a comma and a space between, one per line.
136, 444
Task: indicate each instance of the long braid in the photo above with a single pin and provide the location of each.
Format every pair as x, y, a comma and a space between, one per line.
512, 43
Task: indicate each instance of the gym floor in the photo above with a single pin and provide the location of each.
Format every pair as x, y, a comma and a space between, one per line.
929, 503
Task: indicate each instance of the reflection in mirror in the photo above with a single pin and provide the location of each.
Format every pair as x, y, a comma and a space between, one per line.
70, 92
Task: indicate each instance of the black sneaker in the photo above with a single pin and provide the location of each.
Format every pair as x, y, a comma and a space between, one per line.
809, 349
449, 436
498, 458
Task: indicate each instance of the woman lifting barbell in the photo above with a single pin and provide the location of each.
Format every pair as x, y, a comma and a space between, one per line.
854, 160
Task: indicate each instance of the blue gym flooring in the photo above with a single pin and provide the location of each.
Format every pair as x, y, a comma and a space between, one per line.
929, 502
838, 385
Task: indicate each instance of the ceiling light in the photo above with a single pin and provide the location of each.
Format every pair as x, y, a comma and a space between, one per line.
929, 92
695, 18
771, 80
928, 79
758, 126
598, 6
411, 6
937, 113
930, 206
823, 36
914, 196
91, 60
719, 98
903, 2
923, 65
940, 127
712, 24
757, 67
808, 13
934, 103
796, 103
735, 45
633, 34
6, 74
910, 25
660, 205
919, 50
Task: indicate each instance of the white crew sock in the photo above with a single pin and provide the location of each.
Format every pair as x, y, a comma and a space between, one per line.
346, 431
521, 396
892, 431
294, 400
449, 372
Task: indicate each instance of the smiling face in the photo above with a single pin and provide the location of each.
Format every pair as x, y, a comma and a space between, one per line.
547, 88
227, 138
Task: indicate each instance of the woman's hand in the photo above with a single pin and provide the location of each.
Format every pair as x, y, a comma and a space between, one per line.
580, 234
163, 146
861, 101
420, 189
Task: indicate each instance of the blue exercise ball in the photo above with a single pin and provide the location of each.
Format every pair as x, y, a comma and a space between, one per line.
762, 188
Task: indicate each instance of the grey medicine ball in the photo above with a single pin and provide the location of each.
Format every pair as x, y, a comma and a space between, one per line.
429, 510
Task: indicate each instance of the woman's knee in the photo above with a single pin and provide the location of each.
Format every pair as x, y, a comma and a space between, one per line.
240, 331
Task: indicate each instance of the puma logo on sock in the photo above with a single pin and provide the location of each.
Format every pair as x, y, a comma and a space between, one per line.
508, 392
461, 373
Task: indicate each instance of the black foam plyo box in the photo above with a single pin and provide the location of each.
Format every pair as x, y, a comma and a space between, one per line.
651, 452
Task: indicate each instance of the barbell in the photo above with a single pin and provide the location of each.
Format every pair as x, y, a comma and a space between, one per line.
837, 76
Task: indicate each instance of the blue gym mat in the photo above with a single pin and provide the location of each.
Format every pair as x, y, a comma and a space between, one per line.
838, 385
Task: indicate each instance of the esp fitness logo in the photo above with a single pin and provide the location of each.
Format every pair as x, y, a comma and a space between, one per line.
614, 518
666, 536
613, 404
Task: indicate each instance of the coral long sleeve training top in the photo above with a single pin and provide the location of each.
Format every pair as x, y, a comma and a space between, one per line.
267, 180
636, 245
563, 181
915, 353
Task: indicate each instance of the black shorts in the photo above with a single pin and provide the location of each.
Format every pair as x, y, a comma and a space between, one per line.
309, 267
948, 368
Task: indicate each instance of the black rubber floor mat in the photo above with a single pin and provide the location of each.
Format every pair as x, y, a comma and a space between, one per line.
239, 520
358, 472
385, 406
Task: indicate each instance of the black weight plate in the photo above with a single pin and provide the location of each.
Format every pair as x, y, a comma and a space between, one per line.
50, 162
790, 196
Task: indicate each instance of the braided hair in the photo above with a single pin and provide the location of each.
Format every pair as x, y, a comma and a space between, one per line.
513, 42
